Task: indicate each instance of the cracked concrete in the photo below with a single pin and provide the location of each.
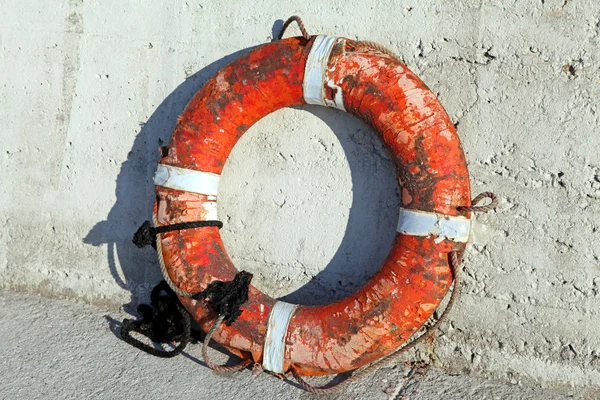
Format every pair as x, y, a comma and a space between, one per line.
308, 197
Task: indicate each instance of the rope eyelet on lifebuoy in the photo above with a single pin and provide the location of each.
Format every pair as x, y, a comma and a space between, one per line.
379, 89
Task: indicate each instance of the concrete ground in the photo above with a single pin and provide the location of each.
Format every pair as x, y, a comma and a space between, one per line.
59, 349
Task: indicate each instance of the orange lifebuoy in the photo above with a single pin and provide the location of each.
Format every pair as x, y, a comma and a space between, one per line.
431, 167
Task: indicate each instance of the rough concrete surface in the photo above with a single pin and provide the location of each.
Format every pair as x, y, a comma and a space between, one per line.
66, 350
89, 90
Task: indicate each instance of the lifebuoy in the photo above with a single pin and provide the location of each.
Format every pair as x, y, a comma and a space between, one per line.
431, 167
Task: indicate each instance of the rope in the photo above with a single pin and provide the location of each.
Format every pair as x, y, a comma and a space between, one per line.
165, 321
165, 273
298, 20
475, 208
163, 266
226, 298
211, 365
147, 234
378, 47
305, 34
131, 326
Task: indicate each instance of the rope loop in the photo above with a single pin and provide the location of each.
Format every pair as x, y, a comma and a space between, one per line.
298, 20
164, 321
167, 321
207, 360
475, 208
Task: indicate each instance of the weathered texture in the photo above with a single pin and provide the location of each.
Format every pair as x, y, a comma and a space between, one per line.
89, 90
413, 280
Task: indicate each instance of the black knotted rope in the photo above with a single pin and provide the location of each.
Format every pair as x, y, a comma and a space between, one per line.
163, 321
226, 298
146, 234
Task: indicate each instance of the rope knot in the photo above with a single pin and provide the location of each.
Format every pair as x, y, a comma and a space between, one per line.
163, 321
226, 298
145, 236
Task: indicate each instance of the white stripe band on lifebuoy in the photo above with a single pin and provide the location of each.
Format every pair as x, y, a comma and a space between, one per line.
315, 75
422, 223
188, 180
273, 352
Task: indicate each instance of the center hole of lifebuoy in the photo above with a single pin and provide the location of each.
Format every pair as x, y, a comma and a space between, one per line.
309, 202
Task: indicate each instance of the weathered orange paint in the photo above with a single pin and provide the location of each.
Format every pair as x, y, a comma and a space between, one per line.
432, 172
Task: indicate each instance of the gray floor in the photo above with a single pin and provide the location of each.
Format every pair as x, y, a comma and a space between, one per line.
57, 349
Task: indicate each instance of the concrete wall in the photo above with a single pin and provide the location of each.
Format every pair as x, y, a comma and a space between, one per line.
89, 90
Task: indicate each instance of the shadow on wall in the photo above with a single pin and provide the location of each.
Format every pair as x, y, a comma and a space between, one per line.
136, 270
369, 233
